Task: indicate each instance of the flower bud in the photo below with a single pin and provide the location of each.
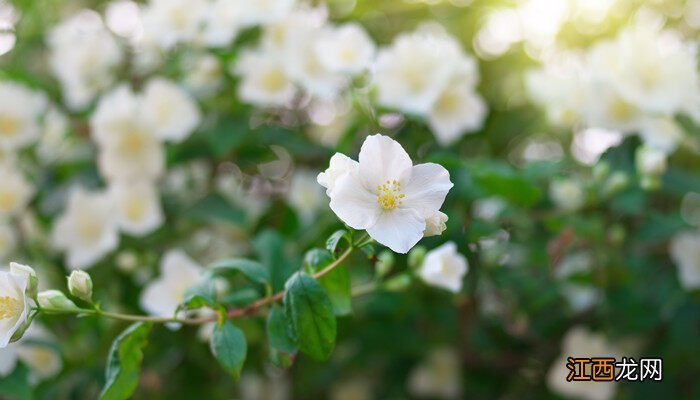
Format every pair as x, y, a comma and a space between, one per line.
650, 161
385, 262
55, 300
567, 194
32, 280
617, 182
416, 256
398, 283
435, 224
80, 285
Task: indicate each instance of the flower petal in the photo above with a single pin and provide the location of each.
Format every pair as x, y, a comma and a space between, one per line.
353, 203
427, 189
381, 159
399, 229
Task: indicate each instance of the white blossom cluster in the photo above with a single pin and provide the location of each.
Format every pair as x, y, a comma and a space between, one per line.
634, 83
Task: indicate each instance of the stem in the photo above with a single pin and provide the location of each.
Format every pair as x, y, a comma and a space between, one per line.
233, 313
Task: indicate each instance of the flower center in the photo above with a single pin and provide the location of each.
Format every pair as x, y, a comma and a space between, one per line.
389, 195
8, 200
134, 209
9, 307
8, 125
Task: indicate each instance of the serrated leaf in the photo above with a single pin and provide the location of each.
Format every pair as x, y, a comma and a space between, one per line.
336, 282
124, 363
278, 331
308, 308
334, 240
228, 345
252, 270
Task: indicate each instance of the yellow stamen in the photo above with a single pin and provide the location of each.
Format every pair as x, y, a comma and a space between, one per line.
10, 307
389, 195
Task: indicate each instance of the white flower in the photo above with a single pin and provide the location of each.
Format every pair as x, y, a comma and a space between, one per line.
129, 147
657, 71
170, 22
650, 161
42, 359
169, 109
204, 75
387, 195
578, 295
663, 134
439, 376
305, 195
7, 240
299, 35
347, 49
567, 194
14, 304
15, 191
685, 252
444, 267
580, 342
137, 206
222, 21
411, 74
340, 164
87, 230
435, 224
177, 273
458, 109
264, 81
20, 109
606, 108
263, 12
83, 55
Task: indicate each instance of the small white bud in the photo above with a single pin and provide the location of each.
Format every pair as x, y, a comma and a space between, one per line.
435, 225
650, 161
80, 285
567, 194
55, 300
32, 280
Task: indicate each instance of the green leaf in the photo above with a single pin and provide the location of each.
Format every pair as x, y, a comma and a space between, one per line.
501, 180
201, 294
278, 332
216, 208
334, 240
228, 345
16, 385
253, 270
336, 282
310, 311
270, 248
124, 363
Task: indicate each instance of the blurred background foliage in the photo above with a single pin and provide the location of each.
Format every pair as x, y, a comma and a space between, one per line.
506, 325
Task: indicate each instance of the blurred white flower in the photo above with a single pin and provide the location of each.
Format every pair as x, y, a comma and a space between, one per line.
42, 359
650, 161
663, 134
222, 20
580, 296
129, 147
580, 342
177, 273
15, 191
435, 224
567, 194
82, 56
264, 81
444, 267
411, 74
20, 109
439, 376
137, 206
204, 75
170, 22
37, 354
386, 194
458, 109
14, 304
87, 230
347, 49
685, 252
263, 12
171, 112
305, 195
